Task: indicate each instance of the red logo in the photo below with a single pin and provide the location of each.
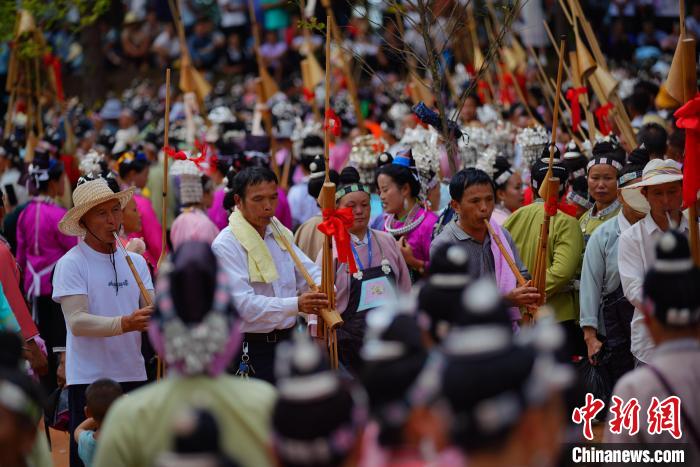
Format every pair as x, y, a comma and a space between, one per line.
625, 416
587, 413
665, 416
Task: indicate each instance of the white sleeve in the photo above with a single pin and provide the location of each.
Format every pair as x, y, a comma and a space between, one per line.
631, 269
313, 269
82, 323
253, 308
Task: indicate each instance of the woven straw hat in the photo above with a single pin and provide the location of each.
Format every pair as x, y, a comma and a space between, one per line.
87, 196
656, 172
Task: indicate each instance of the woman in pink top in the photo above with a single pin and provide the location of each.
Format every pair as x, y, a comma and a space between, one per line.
509, 190
133, 171
404, 217
39, 247
219, 214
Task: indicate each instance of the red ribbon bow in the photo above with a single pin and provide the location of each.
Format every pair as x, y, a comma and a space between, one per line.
572, 96
202, 148
308, 94
54, 64
336, 223
688, 117
173, 154
601, 114
332, 122
550, 205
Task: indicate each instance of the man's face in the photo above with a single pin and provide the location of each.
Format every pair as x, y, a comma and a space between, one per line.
103, 220
258, 204
477, 204
664, 198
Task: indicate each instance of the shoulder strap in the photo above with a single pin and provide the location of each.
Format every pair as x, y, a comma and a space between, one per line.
684, 415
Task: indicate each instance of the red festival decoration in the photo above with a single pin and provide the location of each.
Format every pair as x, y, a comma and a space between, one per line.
336, 223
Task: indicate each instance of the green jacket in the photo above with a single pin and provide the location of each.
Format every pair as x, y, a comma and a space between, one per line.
563, 253
139, 426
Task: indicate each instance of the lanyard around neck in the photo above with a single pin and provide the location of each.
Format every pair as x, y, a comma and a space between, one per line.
369, 252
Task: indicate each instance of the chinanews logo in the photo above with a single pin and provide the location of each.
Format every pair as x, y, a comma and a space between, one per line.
661, 416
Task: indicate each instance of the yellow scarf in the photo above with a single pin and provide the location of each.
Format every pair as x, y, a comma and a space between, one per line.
261, 268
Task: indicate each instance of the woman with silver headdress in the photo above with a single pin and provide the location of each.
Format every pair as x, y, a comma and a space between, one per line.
192, 224
404, 217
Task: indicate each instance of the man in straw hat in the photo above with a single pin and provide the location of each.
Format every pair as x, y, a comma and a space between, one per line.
102, 304
268, 288
666, 387
660, 194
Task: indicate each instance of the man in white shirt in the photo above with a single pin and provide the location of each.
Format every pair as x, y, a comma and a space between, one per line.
100, 299
659, 192
268, 290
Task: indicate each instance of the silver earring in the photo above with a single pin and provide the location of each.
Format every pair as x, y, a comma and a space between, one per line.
405, 203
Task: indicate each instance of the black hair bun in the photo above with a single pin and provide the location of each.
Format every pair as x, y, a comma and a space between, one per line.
349, 175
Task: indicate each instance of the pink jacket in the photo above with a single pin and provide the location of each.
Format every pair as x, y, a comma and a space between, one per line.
192, 226
40, 244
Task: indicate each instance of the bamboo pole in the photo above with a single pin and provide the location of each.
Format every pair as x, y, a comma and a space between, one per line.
349, 78
295, 258
690, 89
549, 184
555, 118
142, 288
164, 208
306, 64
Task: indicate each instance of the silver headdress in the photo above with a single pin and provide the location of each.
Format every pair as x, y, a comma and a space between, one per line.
425, 149
532, 142
363, 156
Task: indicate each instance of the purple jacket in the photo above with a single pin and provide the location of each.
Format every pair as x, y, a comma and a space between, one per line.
40, 244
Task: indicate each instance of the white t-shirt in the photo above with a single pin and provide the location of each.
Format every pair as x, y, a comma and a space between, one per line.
84, 271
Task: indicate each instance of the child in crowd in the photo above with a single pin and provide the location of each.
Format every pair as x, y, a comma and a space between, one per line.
99, 397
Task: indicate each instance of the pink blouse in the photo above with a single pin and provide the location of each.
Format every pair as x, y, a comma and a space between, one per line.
151, 231
40, 244
419, 238
219, 216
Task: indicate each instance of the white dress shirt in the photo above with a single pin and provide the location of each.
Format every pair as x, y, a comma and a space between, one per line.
636, 254
302, 205
264, 307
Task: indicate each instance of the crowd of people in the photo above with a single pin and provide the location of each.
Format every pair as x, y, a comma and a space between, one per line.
162, 300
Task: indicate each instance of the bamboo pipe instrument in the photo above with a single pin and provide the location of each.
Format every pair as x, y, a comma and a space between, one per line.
539, 274
331, 317
160, 367
511, 263
295, 258
142, 288
166, 134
